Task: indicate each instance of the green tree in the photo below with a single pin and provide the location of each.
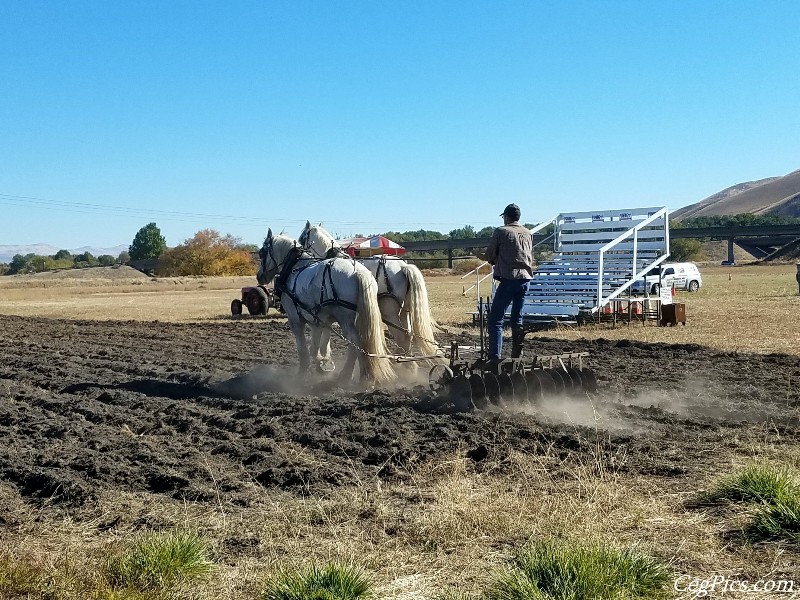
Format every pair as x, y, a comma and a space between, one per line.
106, 260
62, 254
19, 264
466, 232
123, 257
683, 249
84, 260
148, 243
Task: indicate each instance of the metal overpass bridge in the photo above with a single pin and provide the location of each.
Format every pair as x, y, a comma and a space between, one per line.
758, 240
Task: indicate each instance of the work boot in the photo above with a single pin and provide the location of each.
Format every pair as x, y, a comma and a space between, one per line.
492, 366
517, 339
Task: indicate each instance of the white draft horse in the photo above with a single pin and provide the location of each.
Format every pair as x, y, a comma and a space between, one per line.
321, 292
402, 295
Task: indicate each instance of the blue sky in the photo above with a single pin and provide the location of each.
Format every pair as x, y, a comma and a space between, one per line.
376, 116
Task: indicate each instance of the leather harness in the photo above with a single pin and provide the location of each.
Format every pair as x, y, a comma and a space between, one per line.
296, 254
328, 295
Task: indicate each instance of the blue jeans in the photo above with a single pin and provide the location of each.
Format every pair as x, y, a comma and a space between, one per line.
509, 291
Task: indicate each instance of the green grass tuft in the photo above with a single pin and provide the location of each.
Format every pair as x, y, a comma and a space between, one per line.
19, 580
780, 520
328, 582
160, 562
568, 571
766, 484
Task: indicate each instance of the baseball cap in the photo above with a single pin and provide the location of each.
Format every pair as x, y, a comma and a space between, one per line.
512, 210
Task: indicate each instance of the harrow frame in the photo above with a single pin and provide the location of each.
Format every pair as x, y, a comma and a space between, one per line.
477, 382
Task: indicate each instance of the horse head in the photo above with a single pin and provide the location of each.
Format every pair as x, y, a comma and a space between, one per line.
274, 253
317, 241
303, 239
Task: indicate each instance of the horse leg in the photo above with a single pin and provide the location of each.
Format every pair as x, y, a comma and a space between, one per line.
298, 328
399, 322
321, 344
351, 333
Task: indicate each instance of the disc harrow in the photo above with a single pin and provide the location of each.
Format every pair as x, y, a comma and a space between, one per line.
476, 383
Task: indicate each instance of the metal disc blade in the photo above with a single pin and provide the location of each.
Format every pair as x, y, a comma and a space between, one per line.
577, 381
566, 379
506, 387
589, 380
478, 391
546, 381
439, 377
461, 393
492, 387
558, 381
520, 387
534, 385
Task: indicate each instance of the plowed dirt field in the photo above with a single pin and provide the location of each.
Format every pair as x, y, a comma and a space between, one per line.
195, 411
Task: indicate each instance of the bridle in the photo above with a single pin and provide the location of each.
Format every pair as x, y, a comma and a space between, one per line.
283, 268
305, 243
267, 251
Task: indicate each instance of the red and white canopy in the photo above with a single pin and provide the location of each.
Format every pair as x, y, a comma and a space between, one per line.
371, 246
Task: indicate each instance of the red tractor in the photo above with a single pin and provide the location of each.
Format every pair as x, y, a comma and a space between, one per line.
258, 300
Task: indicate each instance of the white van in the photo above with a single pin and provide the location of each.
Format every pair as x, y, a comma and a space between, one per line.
684, 276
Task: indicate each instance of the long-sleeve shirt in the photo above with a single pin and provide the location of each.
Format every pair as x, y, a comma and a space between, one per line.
511, 252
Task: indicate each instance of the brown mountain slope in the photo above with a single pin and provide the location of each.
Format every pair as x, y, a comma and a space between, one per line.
775, 195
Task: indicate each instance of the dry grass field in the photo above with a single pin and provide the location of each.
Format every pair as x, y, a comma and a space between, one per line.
749, 308
448, 526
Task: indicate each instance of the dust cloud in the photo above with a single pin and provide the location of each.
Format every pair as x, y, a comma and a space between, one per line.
273, 379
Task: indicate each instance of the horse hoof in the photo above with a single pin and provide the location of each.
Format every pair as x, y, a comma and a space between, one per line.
326, 366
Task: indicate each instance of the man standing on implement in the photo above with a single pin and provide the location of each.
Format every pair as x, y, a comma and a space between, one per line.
510, 251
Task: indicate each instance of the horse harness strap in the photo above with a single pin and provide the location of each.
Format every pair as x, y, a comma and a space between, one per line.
327, 279
389, 293
326, 289
327, 282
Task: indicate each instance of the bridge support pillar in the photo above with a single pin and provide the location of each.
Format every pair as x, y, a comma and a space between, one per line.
449, 258
730, 250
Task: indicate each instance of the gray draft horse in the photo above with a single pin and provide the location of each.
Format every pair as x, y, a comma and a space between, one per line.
402, 295
320, 292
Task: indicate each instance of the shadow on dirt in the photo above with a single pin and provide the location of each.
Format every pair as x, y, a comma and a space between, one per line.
152, 388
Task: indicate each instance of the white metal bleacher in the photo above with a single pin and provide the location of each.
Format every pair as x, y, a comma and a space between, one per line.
597, 256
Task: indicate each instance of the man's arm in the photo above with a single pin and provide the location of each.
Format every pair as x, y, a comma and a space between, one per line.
490, 255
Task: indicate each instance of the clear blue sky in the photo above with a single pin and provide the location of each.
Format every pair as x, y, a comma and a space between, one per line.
373, 116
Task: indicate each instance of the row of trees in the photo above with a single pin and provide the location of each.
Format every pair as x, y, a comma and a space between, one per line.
206, 253
210, 253
35, 263
734, 221
466, 232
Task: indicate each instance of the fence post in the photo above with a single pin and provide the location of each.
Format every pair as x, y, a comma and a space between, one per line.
798, 278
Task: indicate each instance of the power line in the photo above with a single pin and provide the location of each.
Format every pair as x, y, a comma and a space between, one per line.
183, 216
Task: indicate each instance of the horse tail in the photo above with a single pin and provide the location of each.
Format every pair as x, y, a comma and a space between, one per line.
370, 329
416, 303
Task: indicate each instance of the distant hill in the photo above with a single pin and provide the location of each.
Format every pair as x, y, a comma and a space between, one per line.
8, 252
774, 195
